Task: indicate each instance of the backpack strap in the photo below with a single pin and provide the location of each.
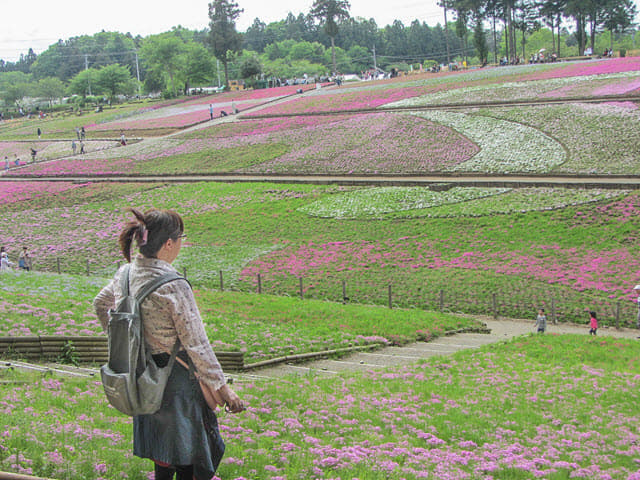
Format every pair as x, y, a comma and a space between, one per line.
124, 280
157, 283
152, 285
144, 292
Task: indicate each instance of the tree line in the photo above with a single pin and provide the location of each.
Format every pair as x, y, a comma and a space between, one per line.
324, 41
520, 18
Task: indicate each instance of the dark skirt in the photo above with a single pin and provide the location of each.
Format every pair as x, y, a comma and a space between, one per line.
184, 431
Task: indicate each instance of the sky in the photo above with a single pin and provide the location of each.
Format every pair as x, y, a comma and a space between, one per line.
37, 24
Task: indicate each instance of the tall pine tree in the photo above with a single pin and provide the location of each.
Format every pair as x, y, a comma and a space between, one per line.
223, 37
329, 12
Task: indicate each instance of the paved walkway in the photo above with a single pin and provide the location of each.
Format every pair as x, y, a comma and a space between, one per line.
503, 329
414, 352
625, 182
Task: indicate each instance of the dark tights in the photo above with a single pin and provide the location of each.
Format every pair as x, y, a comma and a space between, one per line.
183, 472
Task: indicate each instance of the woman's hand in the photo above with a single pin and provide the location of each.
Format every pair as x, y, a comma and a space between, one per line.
223, 397
232, 401
212, 397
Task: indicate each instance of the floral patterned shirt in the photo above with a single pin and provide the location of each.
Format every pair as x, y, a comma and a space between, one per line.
169, 313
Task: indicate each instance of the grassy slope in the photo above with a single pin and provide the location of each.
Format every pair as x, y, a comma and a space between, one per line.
262, 326
555, 407
567, 254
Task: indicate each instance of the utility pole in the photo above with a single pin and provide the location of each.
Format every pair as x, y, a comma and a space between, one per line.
446, 33
218, 70
375, 64
86, 67
137, 72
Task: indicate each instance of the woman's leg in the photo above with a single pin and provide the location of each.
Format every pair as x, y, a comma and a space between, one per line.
184, 472
164, 472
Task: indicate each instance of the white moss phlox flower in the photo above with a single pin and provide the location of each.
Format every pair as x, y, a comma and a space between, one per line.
506, 147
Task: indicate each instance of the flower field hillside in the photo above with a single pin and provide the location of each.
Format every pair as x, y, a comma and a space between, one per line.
528, 247
146, 115
515, 249
598, 138
282, 269
482, 85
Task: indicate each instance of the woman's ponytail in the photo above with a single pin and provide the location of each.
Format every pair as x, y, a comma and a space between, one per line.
150, 230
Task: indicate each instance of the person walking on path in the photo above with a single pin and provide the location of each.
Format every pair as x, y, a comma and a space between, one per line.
637, 290
183, 436
210, 111
541, 321
74, 147
593, 323
24, 260
5, 263
82, 133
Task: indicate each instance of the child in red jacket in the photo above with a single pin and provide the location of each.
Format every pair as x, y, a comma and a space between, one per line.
593, 323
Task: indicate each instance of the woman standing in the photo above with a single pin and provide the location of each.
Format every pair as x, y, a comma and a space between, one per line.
182, 437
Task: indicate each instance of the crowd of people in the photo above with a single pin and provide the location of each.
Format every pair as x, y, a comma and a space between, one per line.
77, 146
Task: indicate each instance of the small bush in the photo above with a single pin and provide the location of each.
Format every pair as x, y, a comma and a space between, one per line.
68, 354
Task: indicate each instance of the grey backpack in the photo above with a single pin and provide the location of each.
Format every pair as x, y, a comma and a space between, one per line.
132, 381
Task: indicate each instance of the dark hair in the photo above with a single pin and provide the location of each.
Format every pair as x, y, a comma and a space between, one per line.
151, 230
593, 314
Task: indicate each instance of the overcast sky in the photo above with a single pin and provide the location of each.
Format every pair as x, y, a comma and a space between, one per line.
39, 23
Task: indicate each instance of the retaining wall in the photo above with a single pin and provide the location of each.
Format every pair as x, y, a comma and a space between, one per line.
86, 350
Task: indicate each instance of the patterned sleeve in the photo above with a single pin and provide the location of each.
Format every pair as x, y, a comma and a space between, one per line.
190, 330
104, 301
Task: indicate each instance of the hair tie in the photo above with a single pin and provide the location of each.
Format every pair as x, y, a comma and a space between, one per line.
142, 235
